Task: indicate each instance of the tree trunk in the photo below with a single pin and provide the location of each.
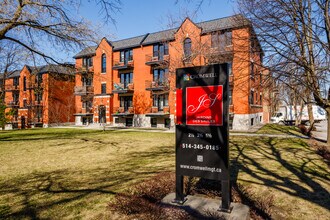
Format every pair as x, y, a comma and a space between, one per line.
328, 128
310, 110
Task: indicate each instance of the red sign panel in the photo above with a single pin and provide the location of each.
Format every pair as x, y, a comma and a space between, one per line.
204, 105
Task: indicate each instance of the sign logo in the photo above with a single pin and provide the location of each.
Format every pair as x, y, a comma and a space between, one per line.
186, 77
204, 105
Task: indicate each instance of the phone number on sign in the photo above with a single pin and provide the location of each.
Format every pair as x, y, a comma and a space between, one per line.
200, 146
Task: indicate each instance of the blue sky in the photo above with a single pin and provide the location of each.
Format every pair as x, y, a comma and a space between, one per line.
138, 17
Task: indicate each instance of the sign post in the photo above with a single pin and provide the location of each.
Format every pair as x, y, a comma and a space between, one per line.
202, 127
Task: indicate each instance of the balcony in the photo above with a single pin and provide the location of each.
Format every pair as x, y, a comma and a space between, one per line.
83, 90
121, 65
161, 85
157, 60
156, 111
220, 55
85, 69
11, 87
120, 88
13, 104
85, 112
123, 111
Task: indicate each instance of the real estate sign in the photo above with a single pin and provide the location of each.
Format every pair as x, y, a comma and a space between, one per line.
202, 126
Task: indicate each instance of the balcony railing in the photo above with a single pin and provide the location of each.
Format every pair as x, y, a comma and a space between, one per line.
123, 88
160, 85
83, 90
13, 104
157, 111
85, 69
157, 60
11, 87
120, 65
123, 111
38, 103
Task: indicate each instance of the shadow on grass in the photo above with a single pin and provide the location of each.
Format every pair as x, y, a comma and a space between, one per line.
299, 180
34, 195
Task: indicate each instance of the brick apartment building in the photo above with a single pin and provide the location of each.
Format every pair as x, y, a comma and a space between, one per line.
131, 82
40, 96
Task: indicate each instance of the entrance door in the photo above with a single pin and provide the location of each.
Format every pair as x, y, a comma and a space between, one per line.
102, 114
22, 122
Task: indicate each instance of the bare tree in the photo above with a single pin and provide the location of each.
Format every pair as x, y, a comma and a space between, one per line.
38, 24
296, 37
11, 58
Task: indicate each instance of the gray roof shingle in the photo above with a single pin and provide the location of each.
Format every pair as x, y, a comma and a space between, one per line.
230, 22
128, 43
88, 51
160, 36
52, 68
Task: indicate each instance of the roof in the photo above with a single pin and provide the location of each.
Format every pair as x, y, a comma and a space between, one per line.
230, 22
13, 74
88, 51
52, 68
166, 35
128, 43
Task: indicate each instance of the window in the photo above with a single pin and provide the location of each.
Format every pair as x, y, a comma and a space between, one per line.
126, 102
16, 81
87, 104
230, 95
153, 122
38, 78
87, 81
167, 123
126, 78
126, 55
260, 98
252, 69
103, 88
230, 68
15, 97
24, 83
187, 47
104, 63
25, 103
251, 98
221, 40
159, 76
160, 101
159, 50
38, 96
88, 61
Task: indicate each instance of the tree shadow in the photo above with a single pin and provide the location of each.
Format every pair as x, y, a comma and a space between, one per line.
42, 191
299, 180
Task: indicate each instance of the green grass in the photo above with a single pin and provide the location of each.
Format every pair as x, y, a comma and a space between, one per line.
72, 173
279, 129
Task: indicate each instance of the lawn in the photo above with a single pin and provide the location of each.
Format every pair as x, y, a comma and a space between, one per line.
71, 173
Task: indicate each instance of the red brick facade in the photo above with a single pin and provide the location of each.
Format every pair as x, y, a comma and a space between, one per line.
139, 76
40, 96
